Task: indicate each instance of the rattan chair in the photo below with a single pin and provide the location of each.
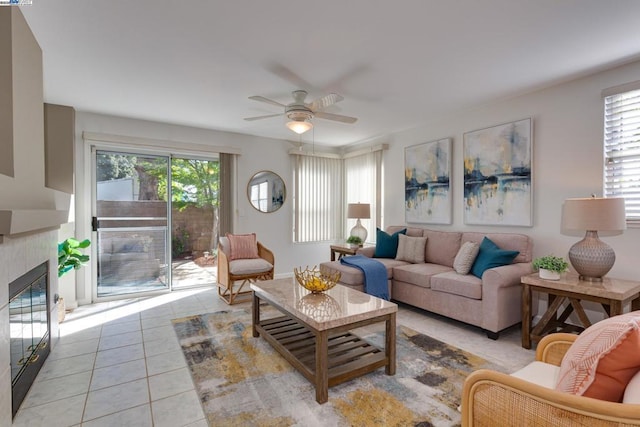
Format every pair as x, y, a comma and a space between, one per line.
491, 398
233, 275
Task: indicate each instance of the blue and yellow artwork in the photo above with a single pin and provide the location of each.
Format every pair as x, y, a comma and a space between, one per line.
497, 175
427, 171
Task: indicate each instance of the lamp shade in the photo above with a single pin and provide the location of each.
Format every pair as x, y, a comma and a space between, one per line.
596, 214
359, 210
299, 126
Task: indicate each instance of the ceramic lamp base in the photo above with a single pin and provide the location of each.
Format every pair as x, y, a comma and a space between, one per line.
591, 257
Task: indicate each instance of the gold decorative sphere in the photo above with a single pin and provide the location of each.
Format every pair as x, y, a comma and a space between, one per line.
315, 280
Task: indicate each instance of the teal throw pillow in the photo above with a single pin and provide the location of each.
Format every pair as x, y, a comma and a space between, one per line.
387, 245
489, 256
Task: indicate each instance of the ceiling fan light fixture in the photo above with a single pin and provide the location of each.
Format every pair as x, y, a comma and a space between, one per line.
299, 126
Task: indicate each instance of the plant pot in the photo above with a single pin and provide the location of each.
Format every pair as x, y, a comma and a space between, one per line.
548, 274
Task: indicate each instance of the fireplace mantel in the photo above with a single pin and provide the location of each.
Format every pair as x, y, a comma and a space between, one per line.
18, 221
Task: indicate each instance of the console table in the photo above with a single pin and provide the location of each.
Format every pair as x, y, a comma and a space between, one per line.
613, 294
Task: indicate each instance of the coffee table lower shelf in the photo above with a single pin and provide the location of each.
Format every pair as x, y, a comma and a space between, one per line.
348, 356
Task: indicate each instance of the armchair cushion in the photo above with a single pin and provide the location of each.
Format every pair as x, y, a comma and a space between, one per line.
603, 359
540, 373
239, 267
243, 246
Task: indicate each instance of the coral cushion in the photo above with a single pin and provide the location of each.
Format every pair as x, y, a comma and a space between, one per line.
603, 359
489, 256
387, 245
243, 246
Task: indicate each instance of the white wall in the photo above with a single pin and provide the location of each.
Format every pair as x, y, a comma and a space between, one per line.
568, 159
567, 145
273, 229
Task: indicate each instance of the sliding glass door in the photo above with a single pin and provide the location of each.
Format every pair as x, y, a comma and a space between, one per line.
155, 222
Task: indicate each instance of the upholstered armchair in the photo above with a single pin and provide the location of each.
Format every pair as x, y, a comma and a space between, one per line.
491, 398
241, 260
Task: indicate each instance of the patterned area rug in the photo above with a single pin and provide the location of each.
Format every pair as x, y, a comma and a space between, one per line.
242, 381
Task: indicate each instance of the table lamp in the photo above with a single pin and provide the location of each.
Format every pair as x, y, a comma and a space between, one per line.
591, 257
358, 211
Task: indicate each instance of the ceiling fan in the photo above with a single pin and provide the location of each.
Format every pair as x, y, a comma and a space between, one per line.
300, 113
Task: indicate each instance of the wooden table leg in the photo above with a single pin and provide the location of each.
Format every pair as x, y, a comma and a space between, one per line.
615, 307
255, 314
577, 306
333, 255
549, 316
526, 316
322, 367
635, 304
390, 344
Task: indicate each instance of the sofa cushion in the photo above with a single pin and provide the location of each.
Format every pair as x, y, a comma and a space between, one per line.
243, 246
489, 256
418, 274
411, 231
603, 359
507, 241
387, 245
632, 392
411, 249
467, 285
353, 276
465, 258
442, 246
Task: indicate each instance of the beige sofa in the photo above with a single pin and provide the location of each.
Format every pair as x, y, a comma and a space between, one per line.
493, 303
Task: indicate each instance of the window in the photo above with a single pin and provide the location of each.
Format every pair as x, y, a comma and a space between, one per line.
318, 204
259, 195
362, 183
326, 183
622, 149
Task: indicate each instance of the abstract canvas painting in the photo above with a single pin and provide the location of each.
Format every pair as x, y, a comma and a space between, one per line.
497, 175
427, 169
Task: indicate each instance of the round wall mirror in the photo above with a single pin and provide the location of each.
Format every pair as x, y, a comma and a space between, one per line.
266, 191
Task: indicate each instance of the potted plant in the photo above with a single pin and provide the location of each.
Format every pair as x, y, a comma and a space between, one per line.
70, 255
550, 267
354, 242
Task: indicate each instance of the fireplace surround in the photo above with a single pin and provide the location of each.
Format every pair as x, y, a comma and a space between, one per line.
29, 329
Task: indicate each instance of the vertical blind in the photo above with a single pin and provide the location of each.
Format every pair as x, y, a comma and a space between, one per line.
622, 150
318, 199
360, 183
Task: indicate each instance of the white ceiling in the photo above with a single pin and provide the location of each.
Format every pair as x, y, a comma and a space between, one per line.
397, 63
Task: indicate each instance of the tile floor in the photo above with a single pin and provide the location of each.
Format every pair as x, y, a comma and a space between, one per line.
119, 363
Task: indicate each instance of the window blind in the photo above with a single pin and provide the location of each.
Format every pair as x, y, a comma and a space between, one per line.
361, 173
622, 151
318, 199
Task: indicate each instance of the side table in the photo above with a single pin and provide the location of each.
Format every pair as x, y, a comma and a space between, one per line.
341, 251
613, 294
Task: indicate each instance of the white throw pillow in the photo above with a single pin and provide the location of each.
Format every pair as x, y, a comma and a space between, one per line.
632, 392
466, 256
411, 249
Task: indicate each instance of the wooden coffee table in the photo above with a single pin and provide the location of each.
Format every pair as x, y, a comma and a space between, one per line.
314, 331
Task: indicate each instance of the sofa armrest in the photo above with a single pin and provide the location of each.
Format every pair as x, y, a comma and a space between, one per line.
492, 398
506, 275
367, 251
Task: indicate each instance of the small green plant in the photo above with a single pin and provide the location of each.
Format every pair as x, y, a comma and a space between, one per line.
354, 240
70, 255
551, 263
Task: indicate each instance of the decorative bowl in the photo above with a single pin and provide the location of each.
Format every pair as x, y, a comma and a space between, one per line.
315, 280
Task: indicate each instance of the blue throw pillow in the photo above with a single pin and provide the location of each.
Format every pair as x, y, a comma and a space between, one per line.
489, 256
387, 245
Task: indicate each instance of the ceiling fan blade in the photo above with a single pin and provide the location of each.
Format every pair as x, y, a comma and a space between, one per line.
335, 117
267, 100
250, 119
326, 101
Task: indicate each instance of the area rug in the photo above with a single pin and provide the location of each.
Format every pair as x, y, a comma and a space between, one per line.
242, 381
